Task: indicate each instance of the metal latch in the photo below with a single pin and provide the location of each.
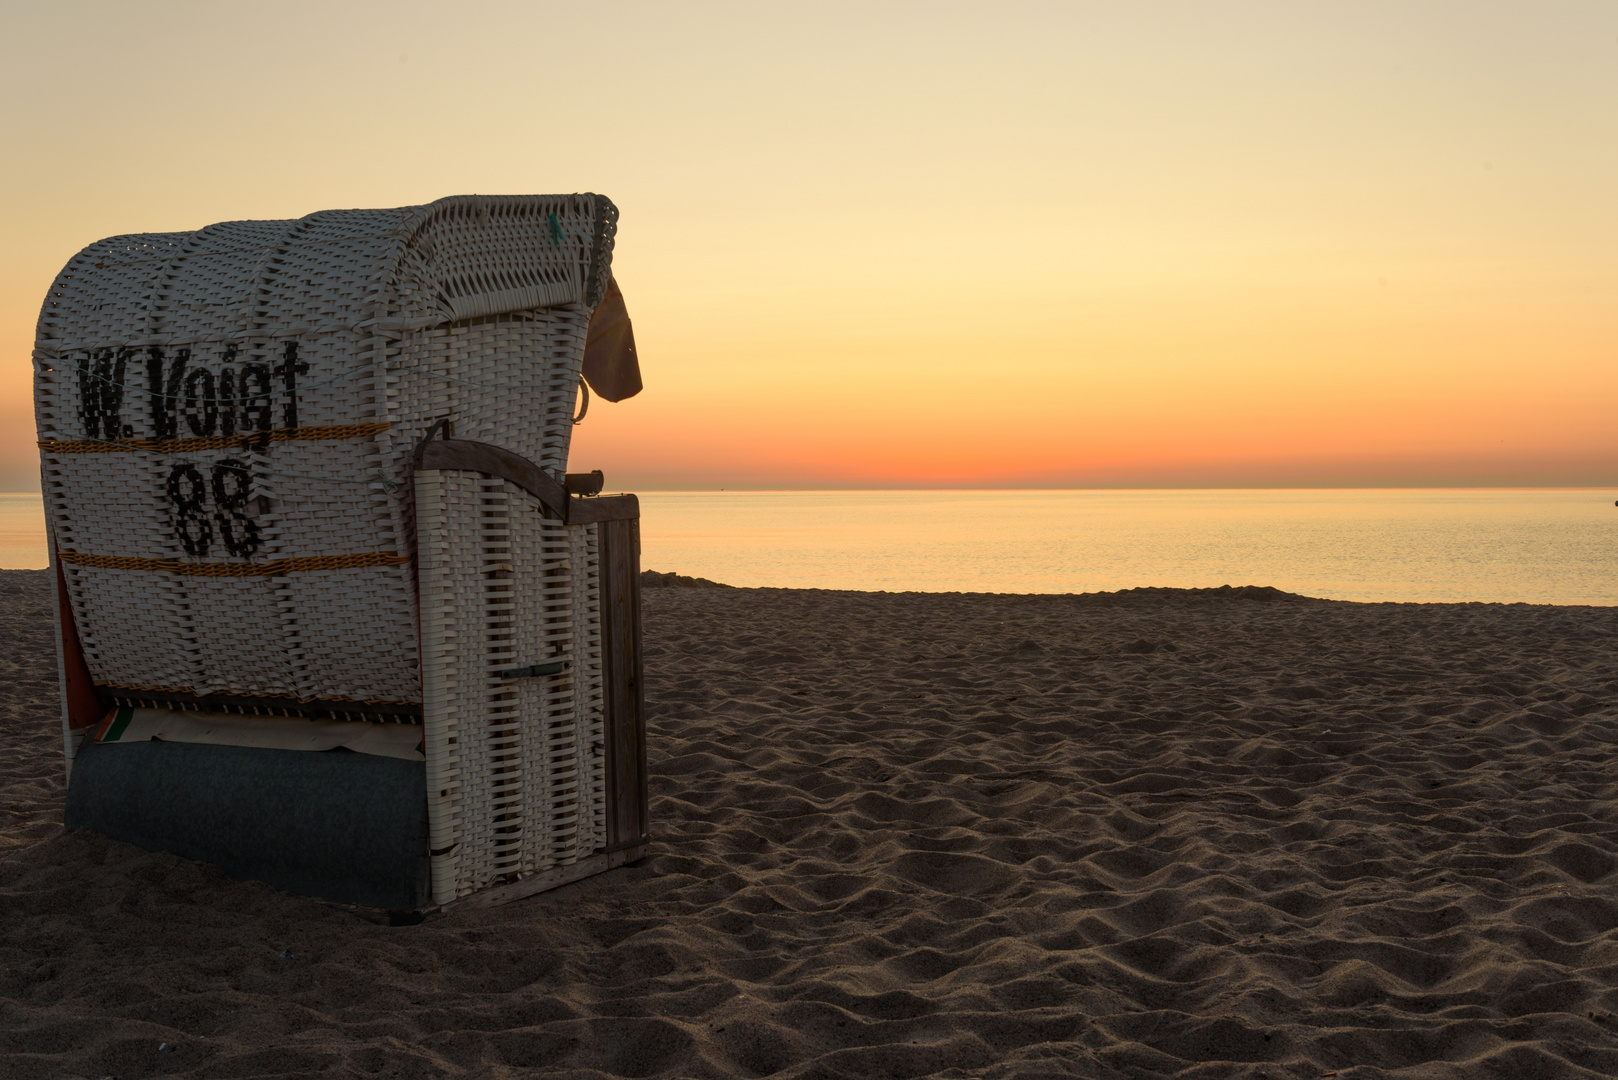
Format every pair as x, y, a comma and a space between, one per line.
554, 667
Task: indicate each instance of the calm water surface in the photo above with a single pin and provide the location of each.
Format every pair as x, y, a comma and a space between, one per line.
1538, 546
22, 532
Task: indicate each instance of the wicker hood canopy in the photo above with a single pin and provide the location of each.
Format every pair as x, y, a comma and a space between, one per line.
226, 419
306, 489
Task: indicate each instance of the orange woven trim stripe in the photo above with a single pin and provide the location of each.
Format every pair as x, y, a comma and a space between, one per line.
212, 442
279, 566
269, 701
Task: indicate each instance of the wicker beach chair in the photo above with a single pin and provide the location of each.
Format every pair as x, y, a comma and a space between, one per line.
329, 615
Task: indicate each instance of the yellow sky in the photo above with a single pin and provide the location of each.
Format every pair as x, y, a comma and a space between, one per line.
967, 244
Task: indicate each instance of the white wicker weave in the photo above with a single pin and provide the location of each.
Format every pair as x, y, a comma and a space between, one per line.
515, 776
226, 420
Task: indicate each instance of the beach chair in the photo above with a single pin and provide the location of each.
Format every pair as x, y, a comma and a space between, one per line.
329, 614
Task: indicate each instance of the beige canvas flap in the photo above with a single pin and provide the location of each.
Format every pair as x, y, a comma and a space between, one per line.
270, 732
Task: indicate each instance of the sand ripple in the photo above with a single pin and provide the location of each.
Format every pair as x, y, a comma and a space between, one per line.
1161, 833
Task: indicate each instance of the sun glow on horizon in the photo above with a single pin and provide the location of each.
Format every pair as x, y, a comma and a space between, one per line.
1033, 245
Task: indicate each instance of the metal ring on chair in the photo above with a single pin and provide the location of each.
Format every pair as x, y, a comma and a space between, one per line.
584, 400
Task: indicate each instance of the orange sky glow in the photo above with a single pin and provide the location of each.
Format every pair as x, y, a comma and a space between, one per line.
929, 244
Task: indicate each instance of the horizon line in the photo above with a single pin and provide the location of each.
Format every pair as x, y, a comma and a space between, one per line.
1099, 487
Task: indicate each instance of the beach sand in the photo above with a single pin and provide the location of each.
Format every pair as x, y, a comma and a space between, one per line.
1157, 833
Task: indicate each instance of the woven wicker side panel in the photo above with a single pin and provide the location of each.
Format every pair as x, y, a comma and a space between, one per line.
589, 693
540, 710
446, 536
307, 632
509, 380
154, 356
143, 391
514, 773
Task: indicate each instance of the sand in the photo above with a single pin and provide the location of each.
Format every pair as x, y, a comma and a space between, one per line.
1158, 833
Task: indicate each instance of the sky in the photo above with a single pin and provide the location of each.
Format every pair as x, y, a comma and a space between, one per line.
927, 244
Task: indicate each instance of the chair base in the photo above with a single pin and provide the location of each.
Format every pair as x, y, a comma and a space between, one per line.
346, 827
545, 880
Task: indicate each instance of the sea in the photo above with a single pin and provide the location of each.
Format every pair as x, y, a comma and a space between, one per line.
1422, 545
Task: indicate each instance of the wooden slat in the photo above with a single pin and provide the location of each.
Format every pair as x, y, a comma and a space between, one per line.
603, 508
625, 699
546, 879
84, 709
494, 461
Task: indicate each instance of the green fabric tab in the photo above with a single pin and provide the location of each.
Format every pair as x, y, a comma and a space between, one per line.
119, 723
